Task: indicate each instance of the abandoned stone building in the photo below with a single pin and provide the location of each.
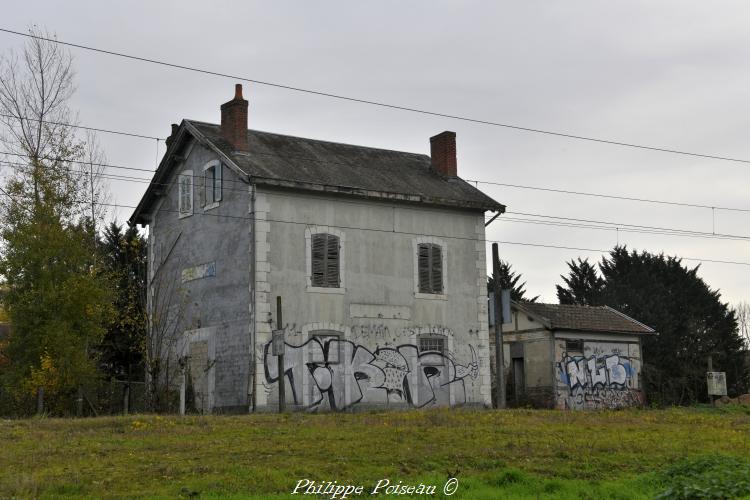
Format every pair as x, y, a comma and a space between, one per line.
378, 257
572, 357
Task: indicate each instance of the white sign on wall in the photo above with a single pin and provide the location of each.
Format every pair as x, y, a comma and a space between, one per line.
278, 346
717, 383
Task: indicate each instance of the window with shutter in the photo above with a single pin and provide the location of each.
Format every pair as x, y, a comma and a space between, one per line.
212, 174
218, 172
185, 195
325, 260
430, 264
208, 179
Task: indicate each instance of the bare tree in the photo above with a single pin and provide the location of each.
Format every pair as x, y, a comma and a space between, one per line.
39, 129
166, 304
34, 90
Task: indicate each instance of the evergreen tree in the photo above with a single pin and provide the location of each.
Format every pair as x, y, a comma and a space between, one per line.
509, 279
124, 255
583, 286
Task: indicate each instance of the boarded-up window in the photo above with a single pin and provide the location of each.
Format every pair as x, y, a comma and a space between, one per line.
430, 268
325, 261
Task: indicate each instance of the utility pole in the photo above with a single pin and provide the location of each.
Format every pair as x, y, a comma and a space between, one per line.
280, 357
710, 369
499, 361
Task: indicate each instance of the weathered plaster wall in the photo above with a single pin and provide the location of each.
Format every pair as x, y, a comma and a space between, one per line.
605, 375
378, 317
204, 260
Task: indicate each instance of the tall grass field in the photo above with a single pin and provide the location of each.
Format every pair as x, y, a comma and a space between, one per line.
672, 453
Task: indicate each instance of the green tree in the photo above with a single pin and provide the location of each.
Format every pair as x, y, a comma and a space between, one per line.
691, 320
57, 297
509, 279
121, 350
583, 285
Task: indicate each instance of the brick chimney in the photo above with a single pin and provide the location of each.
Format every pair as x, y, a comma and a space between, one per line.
443, 153
234, 120
169, 140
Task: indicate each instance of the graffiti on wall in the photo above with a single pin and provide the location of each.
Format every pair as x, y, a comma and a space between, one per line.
334, 373
598, 381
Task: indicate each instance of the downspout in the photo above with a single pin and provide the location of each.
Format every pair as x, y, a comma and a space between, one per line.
251, 387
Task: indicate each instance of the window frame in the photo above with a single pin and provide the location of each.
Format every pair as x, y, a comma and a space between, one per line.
216, 168
185, 174
309, 233
428, 240
574, 343
442, 352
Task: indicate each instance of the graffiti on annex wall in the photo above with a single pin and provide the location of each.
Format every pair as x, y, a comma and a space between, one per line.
335, 373
597, 381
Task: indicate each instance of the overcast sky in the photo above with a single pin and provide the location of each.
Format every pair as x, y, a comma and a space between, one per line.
673, 74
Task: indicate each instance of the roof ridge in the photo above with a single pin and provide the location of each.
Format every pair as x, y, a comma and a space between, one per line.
318, 140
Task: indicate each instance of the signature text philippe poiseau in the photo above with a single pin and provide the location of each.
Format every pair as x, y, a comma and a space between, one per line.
335, 490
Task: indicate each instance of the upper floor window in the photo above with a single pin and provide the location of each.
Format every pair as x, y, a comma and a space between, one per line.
430, 268
325, 261
212, 174
185, 201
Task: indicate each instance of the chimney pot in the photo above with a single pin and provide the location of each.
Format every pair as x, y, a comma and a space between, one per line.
443, 153
234, 120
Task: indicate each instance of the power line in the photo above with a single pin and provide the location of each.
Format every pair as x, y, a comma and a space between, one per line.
615, 197
93, 129
393, 231
627, 230
476, 181
379, 103
83, 162
612, 226
563, 191
625, 225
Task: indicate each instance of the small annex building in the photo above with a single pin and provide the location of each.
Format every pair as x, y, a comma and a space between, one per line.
572, 356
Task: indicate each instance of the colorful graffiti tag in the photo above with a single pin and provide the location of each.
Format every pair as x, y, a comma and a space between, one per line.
327, 372
598, 382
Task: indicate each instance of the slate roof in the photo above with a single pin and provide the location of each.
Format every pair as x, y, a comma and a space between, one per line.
313, 165
275, 157
583, 318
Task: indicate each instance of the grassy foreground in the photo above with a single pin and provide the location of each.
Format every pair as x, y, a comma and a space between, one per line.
509, 454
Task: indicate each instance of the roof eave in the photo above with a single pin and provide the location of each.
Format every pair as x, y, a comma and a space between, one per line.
373, 194
544, 321
600, 330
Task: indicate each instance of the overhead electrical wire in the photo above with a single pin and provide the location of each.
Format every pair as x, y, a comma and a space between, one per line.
392, 231
378, 103
611, 226
519, 186
72, 125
